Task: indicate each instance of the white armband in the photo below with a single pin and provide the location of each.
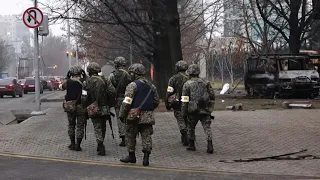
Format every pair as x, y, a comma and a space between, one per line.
184, 98
170, 89
127, 100
84, 92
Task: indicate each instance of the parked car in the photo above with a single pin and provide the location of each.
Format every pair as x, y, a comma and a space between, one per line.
54, 83
10, 87
29, 85
46, 82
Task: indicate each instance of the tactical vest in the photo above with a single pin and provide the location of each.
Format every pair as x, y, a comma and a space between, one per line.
122, 80
143, 89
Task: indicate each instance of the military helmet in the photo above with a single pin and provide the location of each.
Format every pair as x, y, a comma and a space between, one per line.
93, 68
120, 61
75, 70
193, 69
181, 65
137, 68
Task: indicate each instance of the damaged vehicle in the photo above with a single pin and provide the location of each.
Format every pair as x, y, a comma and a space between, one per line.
281, 75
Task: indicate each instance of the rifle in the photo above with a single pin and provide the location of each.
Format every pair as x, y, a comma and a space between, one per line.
110, 123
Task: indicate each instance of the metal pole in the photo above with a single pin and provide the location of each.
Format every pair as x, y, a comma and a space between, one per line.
36, 46
77, 56
68, 29
37, 78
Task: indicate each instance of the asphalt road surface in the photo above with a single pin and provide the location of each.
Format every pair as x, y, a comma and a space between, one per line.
13, 167
25, 102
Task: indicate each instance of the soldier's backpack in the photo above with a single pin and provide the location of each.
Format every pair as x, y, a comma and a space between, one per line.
199, 96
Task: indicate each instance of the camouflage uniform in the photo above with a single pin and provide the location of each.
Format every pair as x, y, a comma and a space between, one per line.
175, 89
197, 95
77, 120
94, 85
120, 78
135, 92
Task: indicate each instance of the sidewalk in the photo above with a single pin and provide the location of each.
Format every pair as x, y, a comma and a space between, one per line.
236, 135
57, 96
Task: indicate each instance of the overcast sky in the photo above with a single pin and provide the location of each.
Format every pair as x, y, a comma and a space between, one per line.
10, 7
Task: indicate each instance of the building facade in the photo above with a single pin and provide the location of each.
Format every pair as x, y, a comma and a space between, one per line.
16, 35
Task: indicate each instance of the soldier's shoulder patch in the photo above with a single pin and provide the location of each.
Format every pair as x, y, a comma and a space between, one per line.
127, 100
184, 98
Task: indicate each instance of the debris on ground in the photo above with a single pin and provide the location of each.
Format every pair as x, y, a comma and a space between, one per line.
287, 156
236, 107
289, 105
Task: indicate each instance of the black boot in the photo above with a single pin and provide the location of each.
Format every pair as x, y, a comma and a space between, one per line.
101, 149
72, 146
123, 142
146, 158
210, 147
130, 159
78, 148
184, 138
191, 146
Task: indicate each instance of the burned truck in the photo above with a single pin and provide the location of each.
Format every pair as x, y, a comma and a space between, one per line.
281, 75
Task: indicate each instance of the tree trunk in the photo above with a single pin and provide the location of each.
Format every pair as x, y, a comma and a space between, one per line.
295, 32
168, 44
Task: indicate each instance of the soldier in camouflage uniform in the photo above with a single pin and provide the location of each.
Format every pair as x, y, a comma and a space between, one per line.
100, 90
197, 97
175, 89
120, 78
76, 120
143, 95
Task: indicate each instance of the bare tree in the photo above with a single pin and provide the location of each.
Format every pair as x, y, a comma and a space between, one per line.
4, 55
296, 14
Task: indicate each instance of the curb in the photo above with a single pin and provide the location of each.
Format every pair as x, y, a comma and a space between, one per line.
51, 100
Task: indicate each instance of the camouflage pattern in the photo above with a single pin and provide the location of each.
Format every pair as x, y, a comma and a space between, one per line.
193, 69
121, 125
194, 90
144, 126
146, 116
137, 68
145, 131
120, 78
176, 82
99, 126
76, 125
182, 122
75, 70
120, 62
205, 122
93, 68
92, 86
181, 66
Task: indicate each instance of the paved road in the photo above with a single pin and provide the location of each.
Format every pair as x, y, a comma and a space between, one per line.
26, 102
24, 168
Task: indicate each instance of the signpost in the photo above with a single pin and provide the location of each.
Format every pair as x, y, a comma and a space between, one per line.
33, 18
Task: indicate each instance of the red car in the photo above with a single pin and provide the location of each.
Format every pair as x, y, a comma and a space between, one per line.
29, 85
10, 87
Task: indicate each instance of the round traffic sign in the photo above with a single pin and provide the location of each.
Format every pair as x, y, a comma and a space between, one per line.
32, 17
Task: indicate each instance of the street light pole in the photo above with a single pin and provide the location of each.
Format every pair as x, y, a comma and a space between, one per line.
68, 34
37, 78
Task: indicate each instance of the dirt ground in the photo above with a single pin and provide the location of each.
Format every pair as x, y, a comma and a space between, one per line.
249, 104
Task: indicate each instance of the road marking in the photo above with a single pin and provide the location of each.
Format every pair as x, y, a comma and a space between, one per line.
141, 167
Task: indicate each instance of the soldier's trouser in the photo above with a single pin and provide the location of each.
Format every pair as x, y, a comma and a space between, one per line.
121, 125
76, 125
181, 122
132, 130
206, 124
99, 125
